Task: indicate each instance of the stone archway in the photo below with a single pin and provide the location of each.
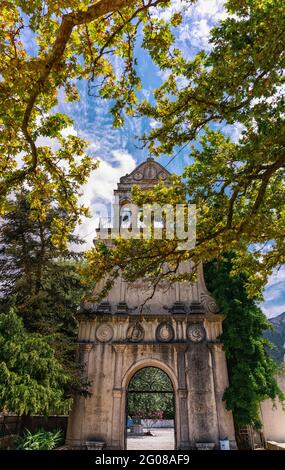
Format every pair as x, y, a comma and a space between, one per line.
196, 368
127, 364
150, 411
169, 373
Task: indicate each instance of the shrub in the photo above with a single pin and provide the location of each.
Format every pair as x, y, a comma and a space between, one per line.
40, 440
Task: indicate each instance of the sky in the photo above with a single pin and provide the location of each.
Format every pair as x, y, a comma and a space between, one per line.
118, 150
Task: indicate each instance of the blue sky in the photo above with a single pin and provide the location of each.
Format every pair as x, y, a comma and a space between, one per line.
117, 149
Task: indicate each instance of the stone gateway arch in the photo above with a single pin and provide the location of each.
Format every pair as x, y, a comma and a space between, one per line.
177, 331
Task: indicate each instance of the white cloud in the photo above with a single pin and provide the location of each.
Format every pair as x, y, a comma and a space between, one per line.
272, 311
214, 9
103, 180
274, 295
198, 33
99, 190
234, 131
69, 130
211, 8
94, 122
194, 32
153, 123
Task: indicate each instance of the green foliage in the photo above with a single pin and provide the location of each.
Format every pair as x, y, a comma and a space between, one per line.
73, 40
252, 373
41, 281
40, 440
40, 278
237, 184
148, 404
32, 380
37, 277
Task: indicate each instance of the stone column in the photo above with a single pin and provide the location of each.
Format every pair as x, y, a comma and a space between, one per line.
75, 429
220, 373
182, 427
118, 416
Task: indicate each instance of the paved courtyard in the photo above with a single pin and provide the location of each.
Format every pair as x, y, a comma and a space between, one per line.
162, 439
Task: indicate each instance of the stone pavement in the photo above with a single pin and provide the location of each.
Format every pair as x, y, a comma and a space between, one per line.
272, 445
162, 439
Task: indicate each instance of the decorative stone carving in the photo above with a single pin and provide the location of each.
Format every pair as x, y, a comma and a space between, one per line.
164, 332
178, 308
104, 333
122, 308
205, 445
150, 172
147, 283
85, 346
196, 308
196, 332
163, 175
135, 333
146, 174
95, 445
138, 176
209, 303
104, 307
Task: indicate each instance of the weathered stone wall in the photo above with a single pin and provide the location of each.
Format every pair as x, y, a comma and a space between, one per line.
114, 347
175, 328
273, 416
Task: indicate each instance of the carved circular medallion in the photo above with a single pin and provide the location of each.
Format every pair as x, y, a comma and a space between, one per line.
104, 333
164, 332
135, 333
162, 175
196, 333
138, 176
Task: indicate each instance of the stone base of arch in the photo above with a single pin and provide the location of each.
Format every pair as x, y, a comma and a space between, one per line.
195, 364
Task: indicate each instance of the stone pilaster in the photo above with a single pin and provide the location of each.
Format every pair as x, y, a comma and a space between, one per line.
117, 440
220, 373
75, 430
203, 421
182, 433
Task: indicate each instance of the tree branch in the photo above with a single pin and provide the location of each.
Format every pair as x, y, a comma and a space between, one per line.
69, 21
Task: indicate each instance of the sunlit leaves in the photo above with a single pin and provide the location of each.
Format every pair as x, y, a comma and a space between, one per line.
237, 184
47, 46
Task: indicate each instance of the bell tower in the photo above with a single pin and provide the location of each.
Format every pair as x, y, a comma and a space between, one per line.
177, 331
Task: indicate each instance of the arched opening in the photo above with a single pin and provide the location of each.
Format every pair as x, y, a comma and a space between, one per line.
150, 411
125, 216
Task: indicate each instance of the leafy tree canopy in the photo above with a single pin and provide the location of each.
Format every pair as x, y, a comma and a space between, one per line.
41, 281
32, 380
35, 275
75, 40
238, 187
150, 379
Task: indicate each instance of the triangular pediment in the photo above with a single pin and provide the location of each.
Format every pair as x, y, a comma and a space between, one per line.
149, 171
